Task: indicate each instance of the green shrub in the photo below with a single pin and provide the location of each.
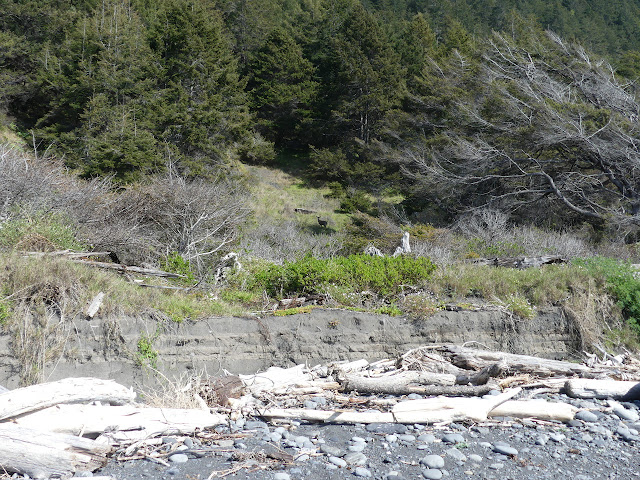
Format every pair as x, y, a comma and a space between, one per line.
383, 275
147, 354
175, 263
622, 282
5, 312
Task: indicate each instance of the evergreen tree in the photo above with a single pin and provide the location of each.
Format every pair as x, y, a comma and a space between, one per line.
282, 90
202, 110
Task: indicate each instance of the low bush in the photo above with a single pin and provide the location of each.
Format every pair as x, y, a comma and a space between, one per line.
382, 275
622, 282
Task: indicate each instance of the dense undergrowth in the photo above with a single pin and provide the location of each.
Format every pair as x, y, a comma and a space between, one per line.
283, 253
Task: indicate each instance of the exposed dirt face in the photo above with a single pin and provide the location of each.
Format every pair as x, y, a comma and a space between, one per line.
111, 347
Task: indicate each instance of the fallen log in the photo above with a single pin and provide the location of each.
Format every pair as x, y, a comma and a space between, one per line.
41, 454
472, 359
70, 390
431, 410
128, 268
122, 423
445, 409
616, 389
538, 409
405, 384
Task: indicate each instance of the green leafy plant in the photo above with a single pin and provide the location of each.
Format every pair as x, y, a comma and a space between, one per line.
176, 263
39, 231
382, 275
147, 354
622, 282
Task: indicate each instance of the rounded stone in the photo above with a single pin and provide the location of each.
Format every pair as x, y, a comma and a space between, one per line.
391, 428
432, 461
427, 438
432, 474
179, 458
357, 447
331, 450
362, 472
626, 414
452, 438
355, 458
475, 458
505, 450
587, 416
456, 454
338, 462
281, 476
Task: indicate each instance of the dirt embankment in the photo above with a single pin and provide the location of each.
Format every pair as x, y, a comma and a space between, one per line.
116, 348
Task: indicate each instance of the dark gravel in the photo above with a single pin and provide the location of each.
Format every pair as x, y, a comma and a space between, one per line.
601, 443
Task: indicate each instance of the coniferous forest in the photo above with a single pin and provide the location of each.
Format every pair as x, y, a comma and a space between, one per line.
530, 107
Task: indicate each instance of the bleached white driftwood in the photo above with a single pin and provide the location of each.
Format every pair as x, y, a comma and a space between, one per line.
449, 409
430, 410
616, 389
472, 359
276, 377
122, 422
422, 383
95, 305
70, 390
538, 409
40, 454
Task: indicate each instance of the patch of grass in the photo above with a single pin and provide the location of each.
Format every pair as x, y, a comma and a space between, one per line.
391, 310
38, 231
292, 311
519, 306
175, 263
622, 282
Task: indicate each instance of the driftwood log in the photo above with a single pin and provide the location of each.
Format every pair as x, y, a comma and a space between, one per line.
123, 423
587, 388
41, 454
430, 410
422, 383
71, 390
539, 409
472, 359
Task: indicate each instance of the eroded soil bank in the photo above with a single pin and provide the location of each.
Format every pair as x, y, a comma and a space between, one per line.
117, 348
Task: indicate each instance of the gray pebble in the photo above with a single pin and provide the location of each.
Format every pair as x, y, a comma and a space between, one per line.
358, 439
505, 450
281, 476
331, 450
625, 414
357, 447
475, 458
82, 473
302, 458
542, 440
391, 438
338, 462
432, 474
414, 396
407, 438
557, 437
274, 437
432, 461
179, 458
427, 438
587, 416
362, 472
319, 400
452, 438
188, 442
172, 471
355, 458
485, 444
311, 405
496, 466
456, 454
331, 466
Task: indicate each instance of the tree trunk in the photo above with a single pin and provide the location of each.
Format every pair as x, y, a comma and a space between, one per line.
70, 390
41, 454
618, 390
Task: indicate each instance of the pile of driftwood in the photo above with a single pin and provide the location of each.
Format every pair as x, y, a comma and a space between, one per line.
455, 379
56, 429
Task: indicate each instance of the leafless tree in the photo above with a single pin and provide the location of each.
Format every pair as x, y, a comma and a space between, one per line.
552, 125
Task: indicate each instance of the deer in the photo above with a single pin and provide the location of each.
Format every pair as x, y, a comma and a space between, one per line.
322, 223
